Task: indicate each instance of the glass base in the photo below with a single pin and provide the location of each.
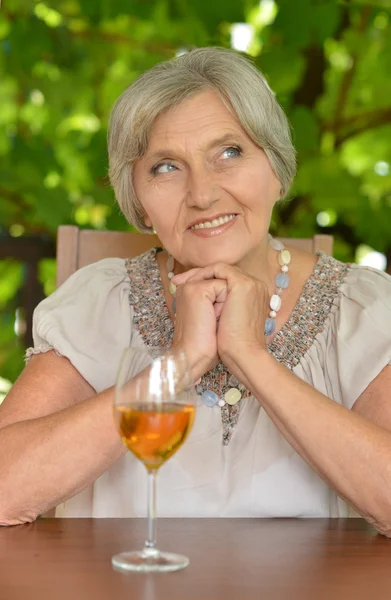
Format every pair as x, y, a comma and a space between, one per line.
149, 561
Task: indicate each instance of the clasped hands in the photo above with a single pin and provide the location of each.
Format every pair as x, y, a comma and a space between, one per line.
220, 315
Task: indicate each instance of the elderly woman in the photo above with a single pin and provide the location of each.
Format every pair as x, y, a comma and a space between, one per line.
292, 350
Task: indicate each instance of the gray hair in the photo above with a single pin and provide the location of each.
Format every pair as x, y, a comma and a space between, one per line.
240, 85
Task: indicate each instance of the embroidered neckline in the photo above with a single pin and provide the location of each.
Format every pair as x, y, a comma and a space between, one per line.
307, 319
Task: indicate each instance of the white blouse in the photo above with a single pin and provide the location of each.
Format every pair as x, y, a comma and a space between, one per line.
338, 339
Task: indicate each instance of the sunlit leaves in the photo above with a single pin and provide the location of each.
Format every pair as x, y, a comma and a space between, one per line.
306, 22
53, 207
52, 18
283, 67
11, 277
305, 128
375, 3
5, 27
373, 224
63, 63
11, 351
5, 386
374, 167
8, 100
329, 185
56, 98
47, 275
212, 14
23, 7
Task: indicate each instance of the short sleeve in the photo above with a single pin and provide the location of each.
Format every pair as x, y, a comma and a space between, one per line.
361, 332
88, 320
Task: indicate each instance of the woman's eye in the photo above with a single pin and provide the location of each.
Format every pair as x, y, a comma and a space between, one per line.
163, 168
232, 152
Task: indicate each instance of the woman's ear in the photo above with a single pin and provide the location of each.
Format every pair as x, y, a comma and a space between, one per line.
280, 194
146, 219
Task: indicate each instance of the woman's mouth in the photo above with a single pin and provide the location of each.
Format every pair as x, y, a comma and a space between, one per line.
214, 222
214, 226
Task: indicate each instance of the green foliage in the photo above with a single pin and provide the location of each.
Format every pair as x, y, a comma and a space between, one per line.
64, 62
47, 275
11, 276
11, 350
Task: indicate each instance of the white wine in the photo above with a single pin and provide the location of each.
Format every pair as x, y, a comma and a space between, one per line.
154, 432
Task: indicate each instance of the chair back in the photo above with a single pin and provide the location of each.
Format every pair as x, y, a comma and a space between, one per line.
77, 248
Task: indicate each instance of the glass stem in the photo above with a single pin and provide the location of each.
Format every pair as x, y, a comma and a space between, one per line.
150, 544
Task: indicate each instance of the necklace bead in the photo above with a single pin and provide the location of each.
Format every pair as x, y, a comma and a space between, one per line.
233, 396
270, 326
282, 280
284, 258
275, 302
209, 398
275, 244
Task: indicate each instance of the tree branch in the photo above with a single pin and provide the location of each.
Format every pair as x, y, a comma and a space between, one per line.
15, 198
350, 73
97, 35
312, 85
22, 211
353, 119
365, 123
117, 38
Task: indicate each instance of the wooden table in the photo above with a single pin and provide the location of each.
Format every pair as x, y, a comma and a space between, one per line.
243, 559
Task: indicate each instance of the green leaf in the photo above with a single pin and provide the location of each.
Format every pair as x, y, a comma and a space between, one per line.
306, 136
52, 208
305, 22
11, 277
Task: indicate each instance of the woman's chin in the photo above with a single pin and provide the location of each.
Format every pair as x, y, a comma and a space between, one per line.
206, 258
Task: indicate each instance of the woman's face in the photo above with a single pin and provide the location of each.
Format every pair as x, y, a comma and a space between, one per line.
205, 187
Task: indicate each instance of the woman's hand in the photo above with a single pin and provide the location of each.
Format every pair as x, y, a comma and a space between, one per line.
241, 315
198, 304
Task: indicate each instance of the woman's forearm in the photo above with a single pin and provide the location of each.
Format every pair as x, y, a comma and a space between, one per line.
352, 454
47, 460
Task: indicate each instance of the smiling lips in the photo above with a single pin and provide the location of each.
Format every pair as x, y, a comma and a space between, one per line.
213, 227
214, 222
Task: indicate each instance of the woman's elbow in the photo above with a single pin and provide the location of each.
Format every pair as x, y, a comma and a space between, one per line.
383, 527
7, 520
380, 519
11, 514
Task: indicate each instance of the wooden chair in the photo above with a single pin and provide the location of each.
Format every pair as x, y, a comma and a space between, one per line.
77, 248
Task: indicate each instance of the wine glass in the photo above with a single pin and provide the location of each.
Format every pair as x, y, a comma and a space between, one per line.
154, 409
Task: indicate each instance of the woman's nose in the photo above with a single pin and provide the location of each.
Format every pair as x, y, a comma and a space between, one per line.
202, 191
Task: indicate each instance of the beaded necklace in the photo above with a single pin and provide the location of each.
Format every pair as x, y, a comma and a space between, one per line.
233, 395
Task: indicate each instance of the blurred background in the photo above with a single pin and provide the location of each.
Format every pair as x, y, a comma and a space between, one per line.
64, 62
